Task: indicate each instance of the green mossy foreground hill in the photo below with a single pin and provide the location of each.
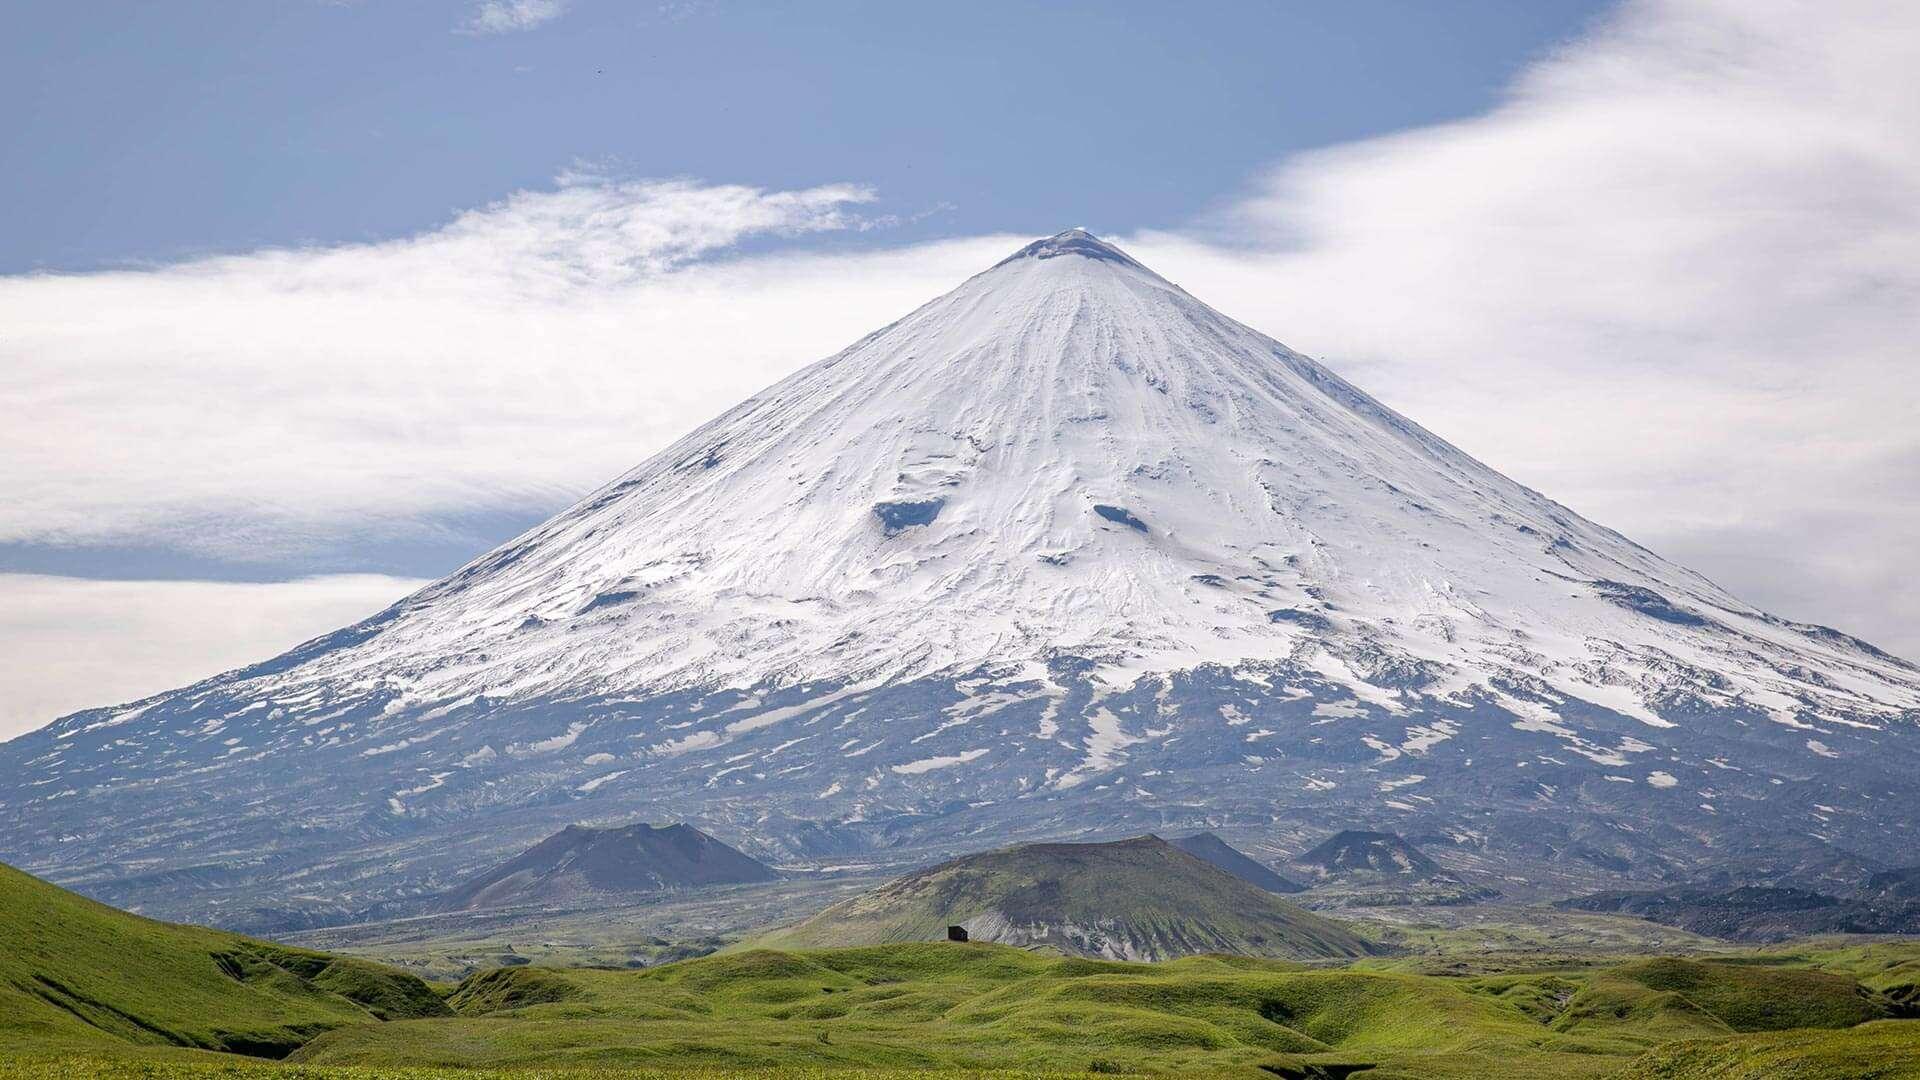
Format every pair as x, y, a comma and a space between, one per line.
1139, 899
1888, 1050
943, 1006
77, 976
89, 991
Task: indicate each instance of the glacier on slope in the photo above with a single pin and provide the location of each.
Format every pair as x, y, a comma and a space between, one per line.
1064, 550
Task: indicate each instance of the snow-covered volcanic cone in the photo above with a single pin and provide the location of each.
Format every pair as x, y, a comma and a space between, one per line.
1064, 550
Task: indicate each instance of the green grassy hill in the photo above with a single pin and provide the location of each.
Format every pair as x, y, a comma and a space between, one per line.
76, 976
1888, 1050
940, 1005
1888, 968
937, 1005
51, 1068
1139, 899
86, 990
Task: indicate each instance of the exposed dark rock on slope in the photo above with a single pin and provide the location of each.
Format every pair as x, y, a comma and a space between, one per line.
1756, 912
1894, 886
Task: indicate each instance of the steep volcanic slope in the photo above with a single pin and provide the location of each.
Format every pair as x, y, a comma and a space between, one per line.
1138, 899
1064, 548
1214, 851
579, 865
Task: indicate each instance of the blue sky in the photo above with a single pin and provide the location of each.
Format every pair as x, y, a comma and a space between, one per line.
304, 303
156, 131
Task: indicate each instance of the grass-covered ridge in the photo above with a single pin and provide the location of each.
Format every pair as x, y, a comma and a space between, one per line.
77, 976
1885, 1050
43, 1067
86, 990
1139, 899
935, 1005
938, 1005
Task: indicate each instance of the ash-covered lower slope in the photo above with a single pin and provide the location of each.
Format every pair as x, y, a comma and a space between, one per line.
1063, 550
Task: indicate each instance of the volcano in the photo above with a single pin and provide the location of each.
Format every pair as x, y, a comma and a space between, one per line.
1135, 899
576, 867
1064, 551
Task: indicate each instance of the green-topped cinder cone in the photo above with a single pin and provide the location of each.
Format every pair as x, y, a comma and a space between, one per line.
1138, 899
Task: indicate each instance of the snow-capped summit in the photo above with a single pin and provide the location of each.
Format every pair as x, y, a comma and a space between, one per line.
1063, 547
1074, 242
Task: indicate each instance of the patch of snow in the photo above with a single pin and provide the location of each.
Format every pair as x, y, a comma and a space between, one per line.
943, 762
603, 778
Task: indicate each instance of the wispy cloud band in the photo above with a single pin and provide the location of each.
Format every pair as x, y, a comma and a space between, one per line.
508, 16
1674, 281
255, 404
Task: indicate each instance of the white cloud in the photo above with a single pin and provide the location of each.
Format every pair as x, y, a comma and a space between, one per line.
67, 645
507, 16
1674, 282
257, 404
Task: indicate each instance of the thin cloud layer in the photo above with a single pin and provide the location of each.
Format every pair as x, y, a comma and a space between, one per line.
258, 406
67, 645
508, 16
1673, 282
